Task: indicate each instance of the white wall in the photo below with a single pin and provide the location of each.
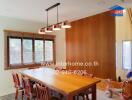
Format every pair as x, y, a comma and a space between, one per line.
123, 32
6, 82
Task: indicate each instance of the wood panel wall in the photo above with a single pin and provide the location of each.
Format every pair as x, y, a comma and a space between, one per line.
93, 39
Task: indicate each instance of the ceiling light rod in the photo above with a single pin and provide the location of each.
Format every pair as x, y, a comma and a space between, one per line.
57, 4
47, 19
57, 15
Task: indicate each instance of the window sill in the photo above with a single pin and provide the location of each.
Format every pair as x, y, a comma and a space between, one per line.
22, 66
29, 66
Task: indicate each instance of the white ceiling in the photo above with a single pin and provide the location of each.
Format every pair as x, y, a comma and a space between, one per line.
34, 10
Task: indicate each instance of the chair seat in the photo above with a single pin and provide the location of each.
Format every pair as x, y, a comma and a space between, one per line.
21, 87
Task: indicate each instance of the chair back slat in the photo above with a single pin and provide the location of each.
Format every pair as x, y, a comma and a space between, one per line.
27, 86
42, 93
127, 87
16, 80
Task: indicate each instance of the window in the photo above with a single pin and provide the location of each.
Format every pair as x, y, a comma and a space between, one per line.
127, 54
28, 50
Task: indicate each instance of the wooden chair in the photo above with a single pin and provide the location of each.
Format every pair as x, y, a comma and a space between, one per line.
17, 85
29, 91
121, 89
43, 93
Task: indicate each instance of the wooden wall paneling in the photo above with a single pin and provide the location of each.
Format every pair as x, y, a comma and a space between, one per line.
108, 46
93, 39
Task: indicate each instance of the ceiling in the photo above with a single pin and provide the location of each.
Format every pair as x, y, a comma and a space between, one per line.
34, 10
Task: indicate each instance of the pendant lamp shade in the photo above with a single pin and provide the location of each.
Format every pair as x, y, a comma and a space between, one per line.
66, 24
49, 29
41, 31
57, 27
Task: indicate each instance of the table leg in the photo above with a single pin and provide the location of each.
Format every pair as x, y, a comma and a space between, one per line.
94, 92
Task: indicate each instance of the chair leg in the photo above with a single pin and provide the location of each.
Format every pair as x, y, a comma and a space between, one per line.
74, 98
77, 97
28, 98
87, 96
16, 96
84, 98
22, 94
61, 96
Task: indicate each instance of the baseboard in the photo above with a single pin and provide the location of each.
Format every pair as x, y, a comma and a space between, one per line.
7, 93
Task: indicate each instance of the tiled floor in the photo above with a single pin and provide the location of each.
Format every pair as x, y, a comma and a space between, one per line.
9, 97
100, 96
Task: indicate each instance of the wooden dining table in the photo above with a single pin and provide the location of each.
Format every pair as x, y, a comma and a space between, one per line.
67, 84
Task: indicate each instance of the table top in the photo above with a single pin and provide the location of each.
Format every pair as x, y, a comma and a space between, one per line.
64, 83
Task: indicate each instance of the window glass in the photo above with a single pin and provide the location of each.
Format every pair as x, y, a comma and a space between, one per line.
15, 50
127, 53
27, 51
39, 51
48, 50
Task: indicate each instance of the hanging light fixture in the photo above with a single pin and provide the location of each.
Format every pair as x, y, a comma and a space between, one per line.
56, 26
66, 24
48, 28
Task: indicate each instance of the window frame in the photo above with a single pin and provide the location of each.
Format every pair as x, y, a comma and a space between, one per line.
25, 35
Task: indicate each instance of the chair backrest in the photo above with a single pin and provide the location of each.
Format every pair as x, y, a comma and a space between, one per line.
112, 84
127, 87
16, 80
42, 92
27, 86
